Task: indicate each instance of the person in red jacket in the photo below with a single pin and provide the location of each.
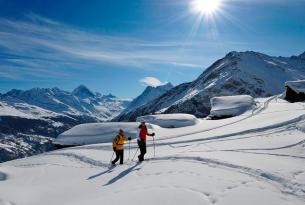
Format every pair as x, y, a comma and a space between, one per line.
142, 133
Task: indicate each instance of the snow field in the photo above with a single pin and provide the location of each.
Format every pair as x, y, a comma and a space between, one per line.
250, 159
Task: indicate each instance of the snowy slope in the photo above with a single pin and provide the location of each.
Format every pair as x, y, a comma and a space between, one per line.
238, 73
255, 158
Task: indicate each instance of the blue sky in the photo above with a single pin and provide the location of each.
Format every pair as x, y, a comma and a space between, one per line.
118, 46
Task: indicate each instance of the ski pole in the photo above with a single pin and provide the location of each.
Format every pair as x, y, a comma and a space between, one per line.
135, 154
129, 151
154, 147
111, 157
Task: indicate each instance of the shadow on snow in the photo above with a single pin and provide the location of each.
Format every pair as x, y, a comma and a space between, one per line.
122, 174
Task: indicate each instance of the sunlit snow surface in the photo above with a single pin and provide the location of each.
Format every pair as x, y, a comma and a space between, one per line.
255, 158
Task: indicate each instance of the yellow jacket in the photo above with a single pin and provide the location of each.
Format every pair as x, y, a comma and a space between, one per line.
118, 142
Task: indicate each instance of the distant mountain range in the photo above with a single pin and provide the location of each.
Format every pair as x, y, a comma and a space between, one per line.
80, 102
250, 73
29, 119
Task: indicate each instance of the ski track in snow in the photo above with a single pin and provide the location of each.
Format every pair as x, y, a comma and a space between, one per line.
275, 148
81, 158
234, 137
265, 153
246, 150
2, 202
286, 186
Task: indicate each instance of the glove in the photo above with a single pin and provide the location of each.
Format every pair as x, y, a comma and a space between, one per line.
114, 149
129, 138
153, 134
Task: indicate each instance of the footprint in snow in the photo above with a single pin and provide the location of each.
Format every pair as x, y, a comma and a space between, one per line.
3, 177
213, 200
2, 202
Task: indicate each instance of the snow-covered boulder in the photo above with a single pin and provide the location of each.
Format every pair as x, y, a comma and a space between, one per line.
93, 133
170, 120
295, 91
229, 106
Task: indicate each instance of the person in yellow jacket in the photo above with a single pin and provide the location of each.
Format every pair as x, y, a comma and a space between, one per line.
118, 146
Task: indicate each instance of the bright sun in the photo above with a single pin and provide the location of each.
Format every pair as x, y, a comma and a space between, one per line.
205, 7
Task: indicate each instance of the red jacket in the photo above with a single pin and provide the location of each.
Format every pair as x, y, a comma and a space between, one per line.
143, 133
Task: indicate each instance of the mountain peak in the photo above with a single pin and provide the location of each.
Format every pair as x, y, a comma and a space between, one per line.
83, 92
232, 53
243, 53
166, 85
109, 96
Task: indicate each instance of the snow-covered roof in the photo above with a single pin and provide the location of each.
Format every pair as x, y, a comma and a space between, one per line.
298, 86
170, 120
230, 105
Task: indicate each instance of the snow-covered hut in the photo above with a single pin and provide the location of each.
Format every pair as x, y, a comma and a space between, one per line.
295, 91
229, 106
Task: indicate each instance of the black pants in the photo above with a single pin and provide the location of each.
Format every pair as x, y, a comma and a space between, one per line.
142, 147
119, 156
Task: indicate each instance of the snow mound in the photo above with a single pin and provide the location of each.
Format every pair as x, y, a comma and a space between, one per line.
170, 120
297, 86
229, 106
93, 133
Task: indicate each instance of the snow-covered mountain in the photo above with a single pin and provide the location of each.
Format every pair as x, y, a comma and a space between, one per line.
149, 94
80, 102
30, 119
249, 73
83, 92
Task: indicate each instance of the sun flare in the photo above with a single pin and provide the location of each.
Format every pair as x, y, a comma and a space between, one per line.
205, 7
